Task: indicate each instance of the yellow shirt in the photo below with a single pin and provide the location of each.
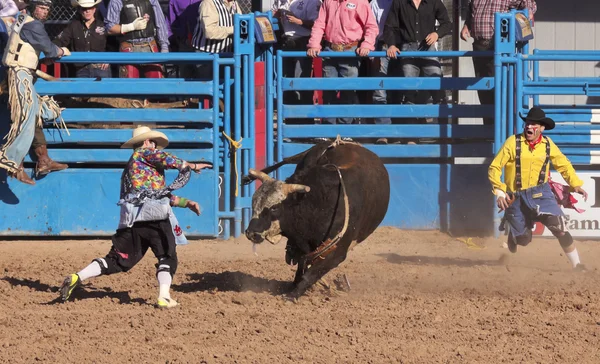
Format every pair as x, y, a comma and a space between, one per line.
531, 164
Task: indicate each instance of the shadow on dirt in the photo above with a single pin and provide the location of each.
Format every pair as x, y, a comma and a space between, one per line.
441, 261
83, 293
232, 282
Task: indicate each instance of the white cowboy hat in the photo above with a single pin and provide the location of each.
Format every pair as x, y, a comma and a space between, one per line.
142, 133
84, 3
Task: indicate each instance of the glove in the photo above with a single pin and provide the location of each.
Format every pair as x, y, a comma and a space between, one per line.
66, 51
138, 24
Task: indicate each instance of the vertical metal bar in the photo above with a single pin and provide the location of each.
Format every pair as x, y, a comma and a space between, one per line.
269, 104
510, 125
280, 111
226, 150
536, 77
503, 103
246, 128
251, 132
519, 90
237, 116
216, 164
497, 106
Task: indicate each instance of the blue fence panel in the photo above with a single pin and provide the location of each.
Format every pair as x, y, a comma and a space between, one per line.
82, 200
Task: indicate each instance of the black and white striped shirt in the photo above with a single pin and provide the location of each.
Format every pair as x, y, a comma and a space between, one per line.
214, 36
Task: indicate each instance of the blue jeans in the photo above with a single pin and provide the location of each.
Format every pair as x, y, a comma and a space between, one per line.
380, 97
91, 71
297, 68
340, 67
429, 66
529, 206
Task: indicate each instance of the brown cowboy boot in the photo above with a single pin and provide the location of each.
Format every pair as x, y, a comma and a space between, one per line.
22, 176
46, 165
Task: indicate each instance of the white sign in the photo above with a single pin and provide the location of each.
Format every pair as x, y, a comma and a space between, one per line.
587, 223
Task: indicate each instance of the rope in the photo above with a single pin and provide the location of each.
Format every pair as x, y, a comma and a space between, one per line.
235, 146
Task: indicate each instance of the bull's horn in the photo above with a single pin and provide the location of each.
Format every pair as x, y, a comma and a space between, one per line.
292, 187
262, 176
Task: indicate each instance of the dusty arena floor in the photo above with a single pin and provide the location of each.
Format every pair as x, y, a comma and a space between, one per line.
416, 297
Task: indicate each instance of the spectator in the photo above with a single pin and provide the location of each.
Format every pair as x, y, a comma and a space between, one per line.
381, 9
297, 18
480, 26
344, 24
138, 24
410, 26
183, 18
214, 31
86, 33
8, 8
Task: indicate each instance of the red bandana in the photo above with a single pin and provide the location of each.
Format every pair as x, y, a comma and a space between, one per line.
534, 143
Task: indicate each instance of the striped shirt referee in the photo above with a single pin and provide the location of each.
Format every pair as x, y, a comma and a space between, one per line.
214, 32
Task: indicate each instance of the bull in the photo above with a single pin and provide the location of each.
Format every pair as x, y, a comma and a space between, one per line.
337, 196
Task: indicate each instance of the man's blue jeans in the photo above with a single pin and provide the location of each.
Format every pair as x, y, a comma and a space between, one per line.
380, 97
340, 67
414, 67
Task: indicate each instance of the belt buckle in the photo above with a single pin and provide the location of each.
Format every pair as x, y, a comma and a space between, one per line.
337, 47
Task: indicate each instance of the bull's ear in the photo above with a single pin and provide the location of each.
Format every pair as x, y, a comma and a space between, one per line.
292, 187
260, 175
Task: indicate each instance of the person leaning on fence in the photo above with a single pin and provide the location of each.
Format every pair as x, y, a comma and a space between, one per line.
297, 18
28, 110
214, 31
139, 25
146, 219
346, 25
380, 65
479, 25
527, 197
86, 33
411, 26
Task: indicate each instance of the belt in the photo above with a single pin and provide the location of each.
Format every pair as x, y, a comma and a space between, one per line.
340, 47
140, 41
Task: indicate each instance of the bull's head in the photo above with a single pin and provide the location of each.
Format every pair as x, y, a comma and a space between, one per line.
267, 206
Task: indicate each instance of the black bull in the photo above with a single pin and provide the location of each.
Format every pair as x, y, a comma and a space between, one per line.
337, 196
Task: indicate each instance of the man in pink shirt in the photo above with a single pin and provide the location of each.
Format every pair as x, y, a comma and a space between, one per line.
346, 25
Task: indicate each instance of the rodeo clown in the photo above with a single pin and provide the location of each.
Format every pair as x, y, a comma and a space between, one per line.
527, 197
28, 110
146, 219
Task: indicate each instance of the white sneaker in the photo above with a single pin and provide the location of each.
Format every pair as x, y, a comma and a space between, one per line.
164, 302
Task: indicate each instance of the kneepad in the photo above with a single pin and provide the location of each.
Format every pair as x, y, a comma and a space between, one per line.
566, 240
555, 224
167, 265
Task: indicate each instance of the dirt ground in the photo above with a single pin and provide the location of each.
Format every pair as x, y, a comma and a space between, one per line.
416, 297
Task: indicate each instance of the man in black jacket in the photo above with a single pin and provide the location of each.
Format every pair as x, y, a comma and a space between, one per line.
86, 33
410, 26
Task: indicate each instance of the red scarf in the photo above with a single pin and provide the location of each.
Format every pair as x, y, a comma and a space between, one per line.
534, 143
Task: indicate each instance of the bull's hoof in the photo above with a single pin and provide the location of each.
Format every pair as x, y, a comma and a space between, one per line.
342, 283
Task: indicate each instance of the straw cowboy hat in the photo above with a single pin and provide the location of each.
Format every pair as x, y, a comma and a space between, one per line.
85, 3
142, 133
538, 115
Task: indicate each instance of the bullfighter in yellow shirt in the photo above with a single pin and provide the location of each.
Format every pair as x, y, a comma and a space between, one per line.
526, 197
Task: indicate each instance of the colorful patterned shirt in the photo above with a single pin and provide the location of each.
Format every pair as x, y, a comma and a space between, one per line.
146, 170
480, 15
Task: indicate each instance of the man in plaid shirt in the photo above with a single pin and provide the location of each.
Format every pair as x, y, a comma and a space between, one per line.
480, 26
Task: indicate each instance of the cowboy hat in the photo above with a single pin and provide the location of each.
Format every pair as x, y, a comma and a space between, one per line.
84, 3
21, 5
538, 116
142, 133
